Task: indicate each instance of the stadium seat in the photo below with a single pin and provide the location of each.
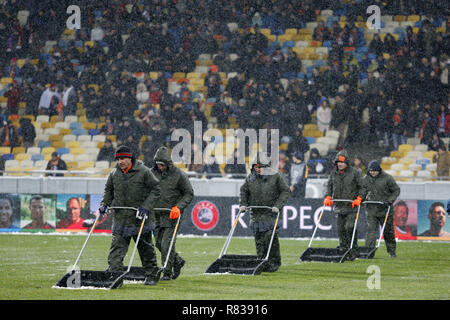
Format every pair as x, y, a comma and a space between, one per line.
398, 166
11, 163
47, 150
68, 157
77, 150
22, 156
37, 157
101, 164
17, 150
62, 151
405, 148
424, 174
33, 150
83, 137
42, 118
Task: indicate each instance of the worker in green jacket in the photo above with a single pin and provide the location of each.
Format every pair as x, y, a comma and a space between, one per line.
176, 194
264, 186
380, 187
131, 184
345, 183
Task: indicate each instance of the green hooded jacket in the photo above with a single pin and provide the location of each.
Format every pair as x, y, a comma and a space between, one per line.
345, 185
269, 190
137, 188
176, 189
380, 188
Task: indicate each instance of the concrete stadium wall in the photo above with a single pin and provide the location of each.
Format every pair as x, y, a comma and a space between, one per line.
216, 187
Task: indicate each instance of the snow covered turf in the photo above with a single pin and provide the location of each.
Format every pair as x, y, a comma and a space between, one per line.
31, 265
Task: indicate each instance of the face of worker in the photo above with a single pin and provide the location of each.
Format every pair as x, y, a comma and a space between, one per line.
437, 217
341, 165
161, 167
124, 163
400, 216
37, 209
73, 210
5, 212
258, 169
374, 173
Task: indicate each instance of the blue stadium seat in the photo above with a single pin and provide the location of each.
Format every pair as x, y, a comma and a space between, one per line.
44, 144
37, 157
327, 43
8, 156
93, 132
288, 44
79, 131
301, 75
75, 125
423, 162
62, 151
311, 140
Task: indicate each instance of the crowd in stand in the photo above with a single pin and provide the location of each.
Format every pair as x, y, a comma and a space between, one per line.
399, 96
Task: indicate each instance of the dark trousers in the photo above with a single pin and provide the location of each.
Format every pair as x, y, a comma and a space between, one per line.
163, 237
345, 225
375, 219
262, 242
146, 249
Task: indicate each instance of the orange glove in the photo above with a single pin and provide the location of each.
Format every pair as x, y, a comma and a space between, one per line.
175, 213
327, 201
357, 202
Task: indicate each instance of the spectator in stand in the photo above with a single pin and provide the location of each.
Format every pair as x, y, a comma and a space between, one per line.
298, 143
443, 121
49, 99
323, 115
442, 159
399, 132
298, 176
210, 167
106, 153
317, 164
56, 164
435, 142
359, 165
69, 99
236, 170
27, 132
10, 135
2, 165
13, 93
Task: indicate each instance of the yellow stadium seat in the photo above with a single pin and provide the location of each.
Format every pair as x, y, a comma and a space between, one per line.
178, 75
22, 156
399, 18
55, 137
405, 148
290, 31
414, 18
76, 151
17, 150
193, 75
265, 31
48, 150
73, 144
58, 144
86, 164
6, 80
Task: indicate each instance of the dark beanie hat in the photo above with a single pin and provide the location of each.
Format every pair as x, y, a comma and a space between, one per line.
374, 165
123, 152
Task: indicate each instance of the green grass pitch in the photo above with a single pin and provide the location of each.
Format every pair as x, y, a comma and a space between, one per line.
31, 264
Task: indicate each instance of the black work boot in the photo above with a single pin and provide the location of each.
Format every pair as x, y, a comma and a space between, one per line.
151, 281
177, 268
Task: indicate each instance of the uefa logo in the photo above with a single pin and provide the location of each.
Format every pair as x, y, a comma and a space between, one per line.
205, 215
